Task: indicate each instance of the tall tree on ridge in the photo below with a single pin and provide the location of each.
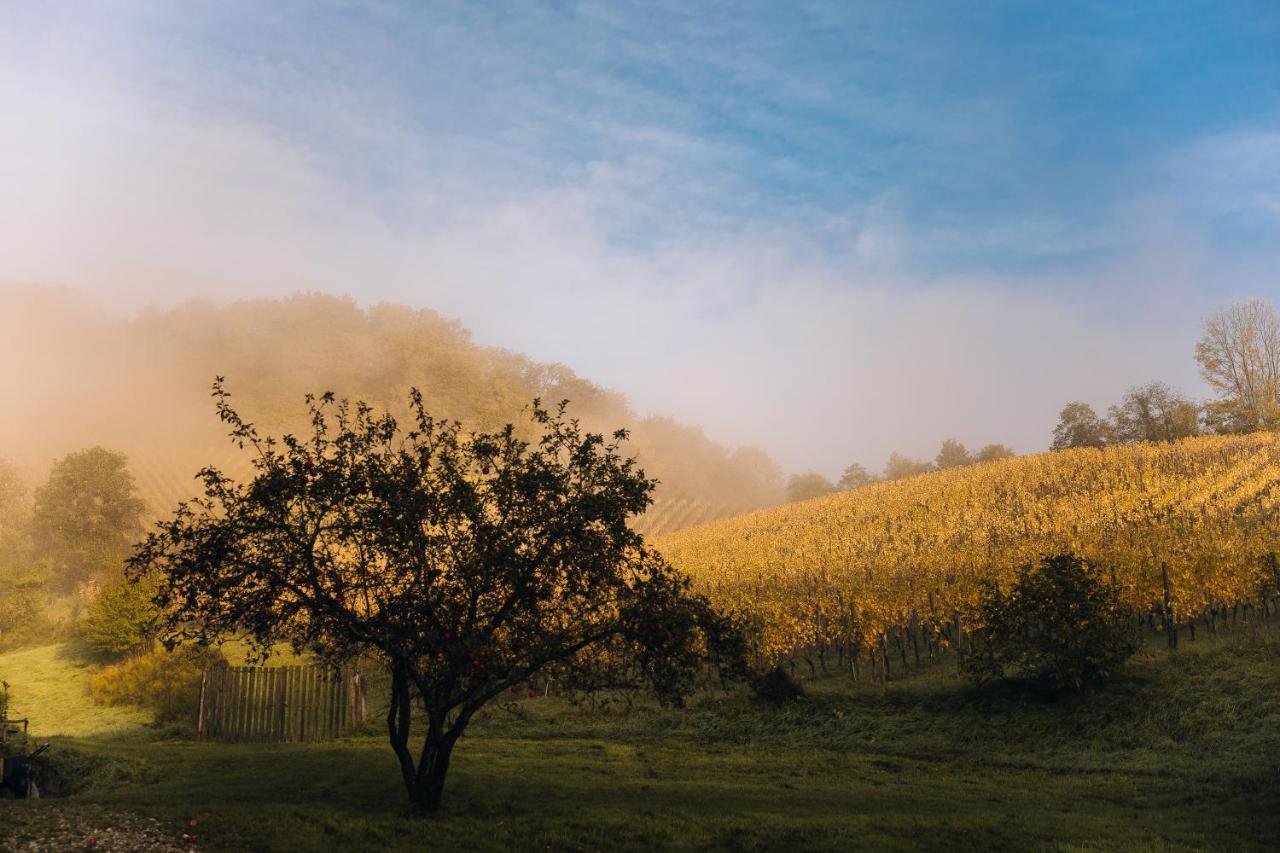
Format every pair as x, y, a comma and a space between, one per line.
1079, 426
1239, 356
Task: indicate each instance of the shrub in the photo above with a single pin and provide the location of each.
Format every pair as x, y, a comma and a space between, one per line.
776, 687
1061, 623
167, 683
121, 619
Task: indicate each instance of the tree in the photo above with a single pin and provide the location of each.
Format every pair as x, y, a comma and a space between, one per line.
1239, 357
994, 453
802, 487
855, 477
1062, 623
900, 466
467, 563
1078, 426
952, 455
1154, 412
87, 516
121, 619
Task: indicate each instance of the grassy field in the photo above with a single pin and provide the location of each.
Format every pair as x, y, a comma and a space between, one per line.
1183, 752
50, 684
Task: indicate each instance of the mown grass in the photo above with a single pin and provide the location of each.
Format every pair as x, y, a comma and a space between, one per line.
50, 685
1182, 752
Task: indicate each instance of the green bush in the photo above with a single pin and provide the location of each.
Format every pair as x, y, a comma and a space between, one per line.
121, 619
167, 683
1062, 623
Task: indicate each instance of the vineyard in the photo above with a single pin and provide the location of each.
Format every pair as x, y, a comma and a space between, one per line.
1187, 530
164, 479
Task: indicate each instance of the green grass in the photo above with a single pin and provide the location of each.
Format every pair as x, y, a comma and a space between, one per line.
1183, 752
50, 685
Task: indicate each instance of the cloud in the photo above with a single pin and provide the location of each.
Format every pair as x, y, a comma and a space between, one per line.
607, 230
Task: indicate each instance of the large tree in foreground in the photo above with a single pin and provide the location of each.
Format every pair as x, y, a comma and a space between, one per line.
467, 563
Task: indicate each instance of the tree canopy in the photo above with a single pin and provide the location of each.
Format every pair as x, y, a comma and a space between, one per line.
994, 453
802, 487
1079, 426
855, 477
86, 516
466, 562
952, 454
1239, 357
900, 466
1153, 412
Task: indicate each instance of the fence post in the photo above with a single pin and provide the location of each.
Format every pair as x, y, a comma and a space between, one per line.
278, 729
204, 684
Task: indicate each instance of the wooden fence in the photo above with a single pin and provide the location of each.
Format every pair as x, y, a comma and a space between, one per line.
281, 703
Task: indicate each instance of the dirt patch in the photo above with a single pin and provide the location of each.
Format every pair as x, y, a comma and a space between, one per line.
46, 827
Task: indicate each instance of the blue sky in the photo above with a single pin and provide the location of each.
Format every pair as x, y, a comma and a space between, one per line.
904, 220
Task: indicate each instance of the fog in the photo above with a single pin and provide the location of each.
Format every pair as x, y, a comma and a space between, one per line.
148, 161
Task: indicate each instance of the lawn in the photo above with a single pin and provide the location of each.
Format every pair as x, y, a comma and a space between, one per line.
1183, 752
50, 684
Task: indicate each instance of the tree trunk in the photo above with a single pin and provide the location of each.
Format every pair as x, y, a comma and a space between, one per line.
431, 772
424, 782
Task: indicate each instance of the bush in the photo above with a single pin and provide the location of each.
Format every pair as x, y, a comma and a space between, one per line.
776, 687
167, 683
1061, 623
121, 619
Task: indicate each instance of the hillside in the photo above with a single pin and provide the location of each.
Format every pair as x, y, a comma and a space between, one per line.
140, 385
905, 560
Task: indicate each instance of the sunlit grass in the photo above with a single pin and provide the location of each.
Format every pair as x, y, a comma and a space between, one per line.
50, 686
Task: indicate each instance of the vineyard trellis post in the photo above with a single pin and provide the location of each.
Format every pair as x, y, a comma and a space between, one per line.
1170, 626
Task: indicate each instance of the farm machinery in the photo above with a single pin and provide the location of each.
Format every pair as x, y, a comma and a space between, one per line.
16, 756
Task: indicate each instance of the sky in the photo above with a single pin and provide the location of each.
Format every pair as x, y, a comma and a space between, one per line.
830, 230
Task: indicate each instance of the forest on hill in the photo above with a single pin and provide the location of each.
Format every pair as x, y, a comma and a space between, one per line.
140, 385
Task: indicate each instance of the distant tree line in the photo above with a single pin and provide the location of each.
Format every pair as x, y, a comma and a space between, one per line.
1239, 358
952, 454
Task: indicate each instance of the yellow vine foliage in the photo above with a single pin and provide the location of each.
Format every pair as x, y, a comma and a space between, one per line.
849, 567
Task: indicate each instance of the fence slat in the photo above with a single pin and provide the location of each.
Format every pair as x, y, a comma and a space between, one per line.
280, 704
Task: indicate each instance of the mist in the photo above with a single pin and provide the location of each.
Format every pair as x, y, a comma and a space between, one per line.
147, 164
